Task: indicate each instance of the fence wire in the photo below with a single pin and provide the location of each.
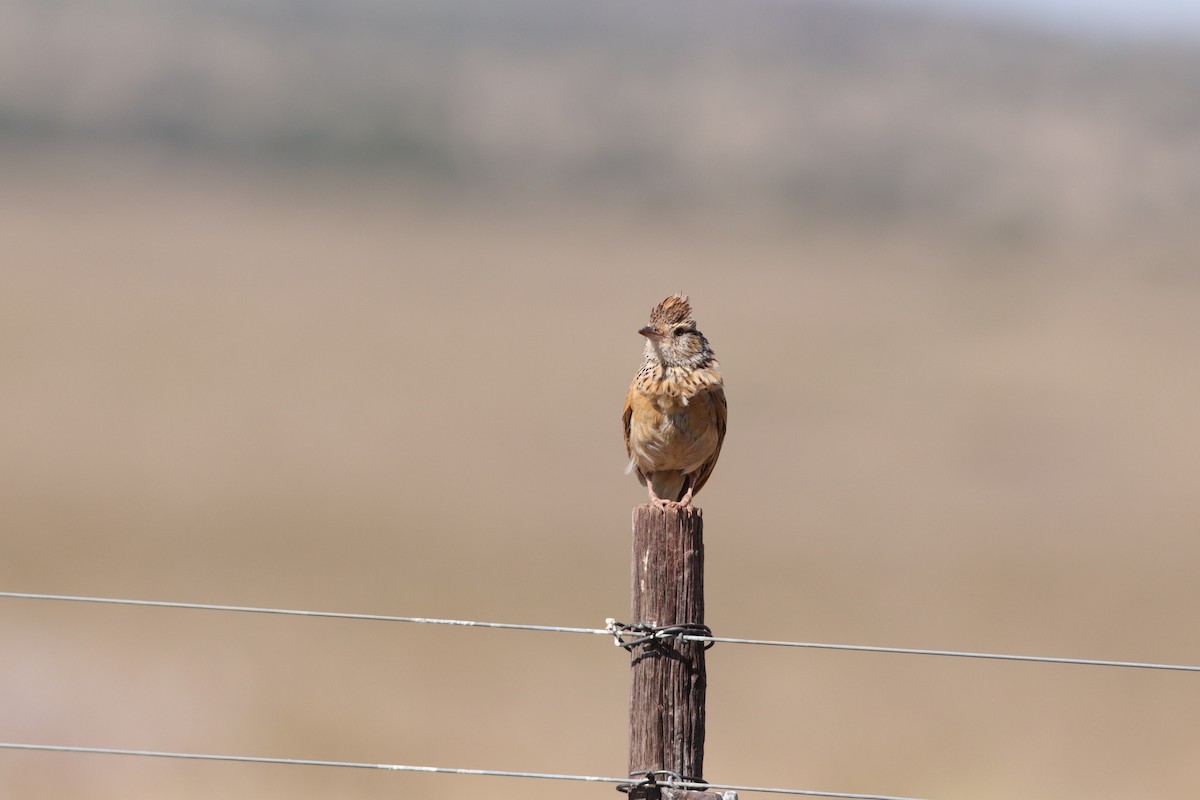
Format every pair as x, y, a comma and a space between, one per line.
493, 773
618, 631
613, 629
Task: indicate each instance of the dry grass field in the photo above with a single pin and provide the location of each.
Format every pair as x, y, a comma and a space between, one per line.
964, 417
228, 388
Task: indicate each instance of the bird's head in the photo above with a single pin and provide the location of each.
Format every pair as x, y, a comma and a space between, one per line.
672, 337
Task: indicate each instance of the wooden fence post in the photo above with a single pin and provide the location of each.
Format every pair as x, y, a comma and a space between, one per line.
668, 679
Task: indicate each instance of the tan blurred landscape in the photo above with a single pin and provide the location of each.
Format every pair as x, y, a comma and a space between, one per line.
333, 307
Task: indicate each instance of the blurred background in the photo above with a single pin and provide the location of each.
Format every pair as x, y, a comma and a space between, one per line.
333, 305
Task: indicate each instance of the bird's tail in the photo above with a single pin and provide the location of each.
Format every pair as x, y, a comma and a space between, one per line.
669, 484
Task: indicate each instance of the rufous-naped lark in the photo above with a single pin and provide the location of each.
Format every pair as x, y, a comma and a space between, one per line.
675, 409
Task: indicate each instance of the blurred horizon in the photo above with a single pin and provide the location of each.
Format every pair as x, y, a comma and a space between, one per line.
772, 106
333, 306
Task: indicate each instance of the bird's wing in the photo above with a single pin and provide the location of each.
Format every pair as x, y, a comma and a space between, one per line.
627, 416
714, 404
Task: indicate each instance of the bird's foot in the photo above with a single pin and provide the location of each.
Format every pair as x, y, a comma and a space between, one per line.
686, 500
672, 505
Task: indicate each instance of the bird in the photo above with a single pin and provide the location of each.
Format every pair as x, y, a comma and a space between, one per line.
675, 409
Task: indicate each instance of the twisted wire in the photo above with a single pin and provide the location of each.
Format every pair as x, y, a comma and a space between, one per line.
609, 631
493, 773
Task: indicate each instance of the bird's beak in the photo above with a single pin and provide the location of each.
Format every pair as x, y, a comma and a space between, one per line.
650, 333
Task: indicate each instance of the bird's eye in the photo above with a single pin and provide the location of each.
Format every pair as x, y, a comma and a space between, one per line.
680, 331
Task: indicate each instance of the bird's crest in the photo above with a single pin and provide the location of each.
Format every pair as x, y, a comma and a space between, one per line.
675, 310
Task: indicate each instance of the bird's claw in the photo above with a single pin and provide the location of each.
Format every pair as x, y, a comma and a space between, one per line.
673, 505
